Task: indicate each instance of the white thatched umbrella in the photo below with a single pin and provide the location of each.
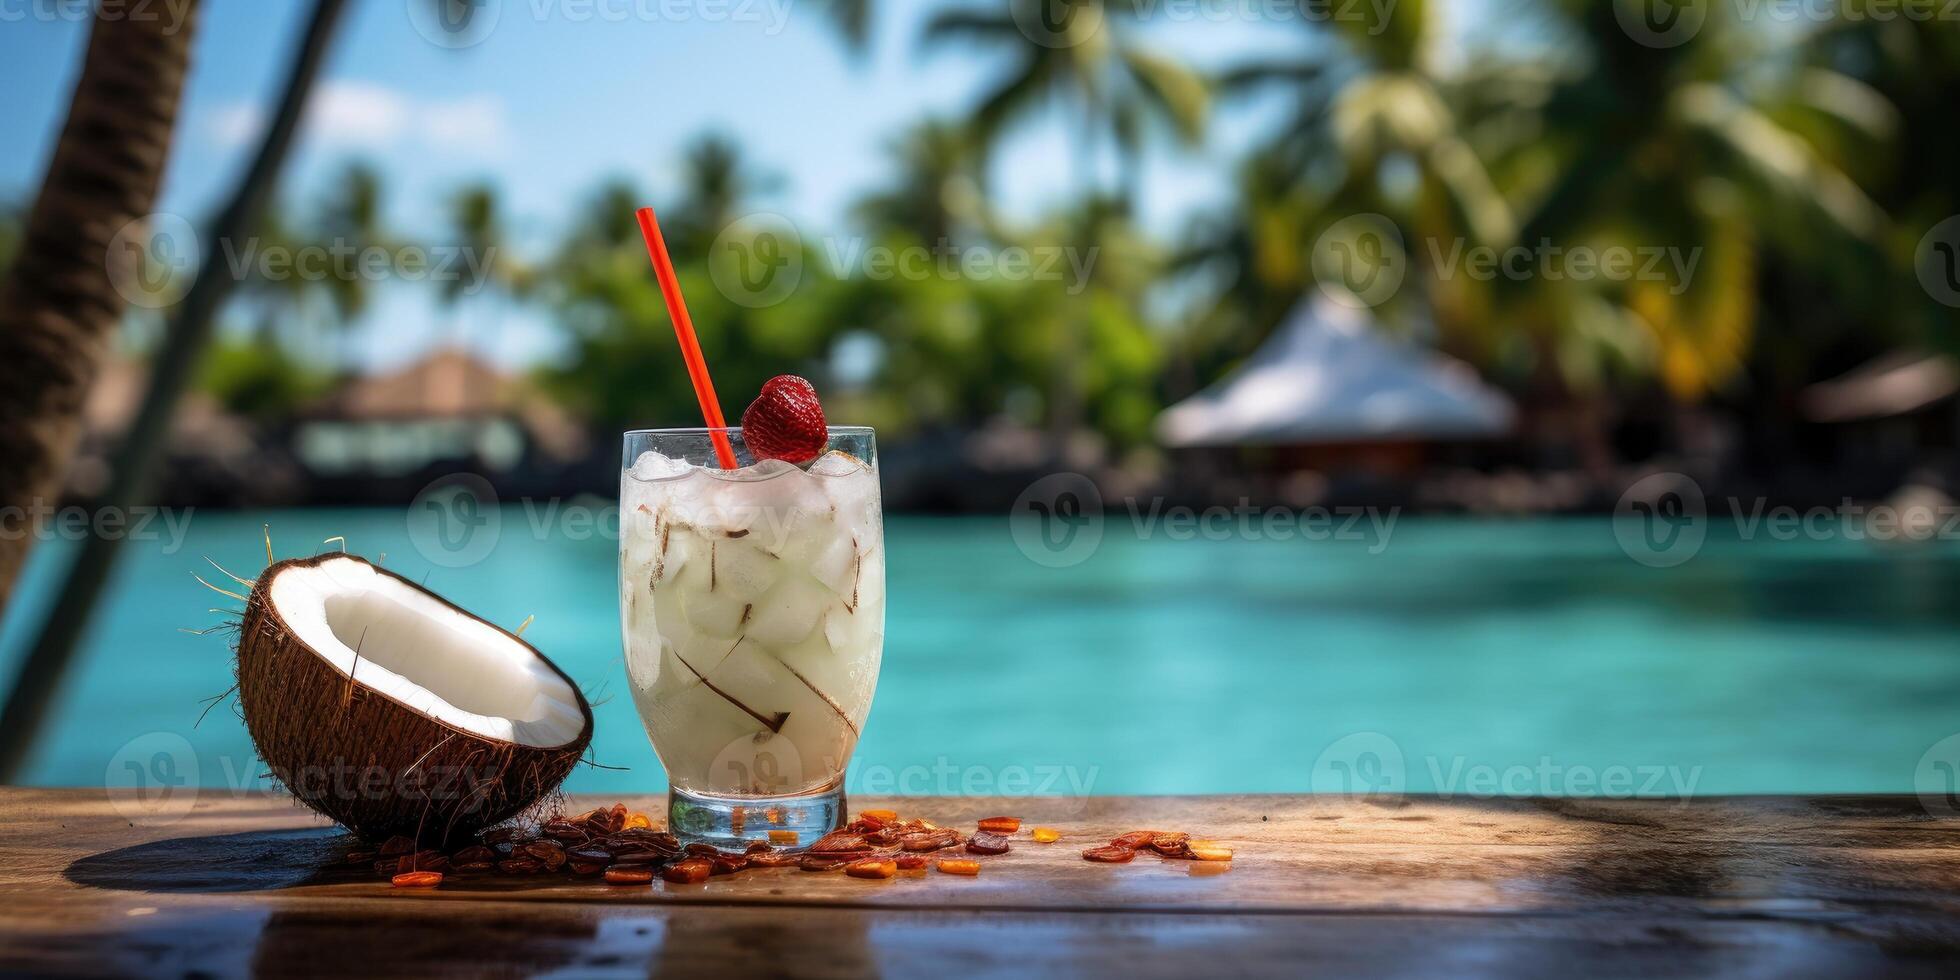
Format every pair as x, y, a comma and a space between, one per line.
1327, 375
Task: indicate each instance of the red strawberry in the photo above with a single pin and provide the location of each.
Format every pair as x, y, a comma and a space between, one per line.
785, 421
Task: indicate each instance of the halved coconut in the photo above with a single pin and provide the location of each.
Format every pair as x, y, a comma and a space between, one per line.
387, 708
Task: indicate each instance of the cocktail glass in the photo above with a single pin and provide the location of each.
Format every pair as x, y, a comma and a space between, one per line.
753, 607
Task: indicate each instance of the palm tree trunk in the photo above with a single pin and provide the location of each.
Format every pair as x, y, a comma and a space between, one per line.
184, 342
59, 306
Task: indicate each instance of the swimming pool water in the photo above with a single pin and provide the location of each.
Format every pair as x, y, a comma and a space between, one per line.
1464, 656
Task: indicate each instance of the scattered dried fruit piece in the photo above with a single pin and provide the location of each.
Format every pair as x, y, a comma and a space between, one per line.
628, 876
774, 859
1109, 854
418, 879
1046, 835
931, 840
882, 816
909, 862
872, 868
985, 843
551, 854
959, 866
1134, 839
638, 821
396, 845
692, 871
838, 841
1001, 825
1205, 850
783, 837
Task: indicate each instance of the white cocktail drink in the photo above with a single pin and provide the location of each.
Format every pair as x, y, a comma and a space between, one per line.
753, 606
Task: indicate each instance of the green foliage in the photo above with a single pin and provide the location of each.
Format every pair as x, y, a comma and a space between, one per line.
258, 379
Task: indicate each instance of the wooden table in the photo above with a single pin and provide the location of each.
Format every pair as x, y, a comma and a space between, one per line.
1775, 886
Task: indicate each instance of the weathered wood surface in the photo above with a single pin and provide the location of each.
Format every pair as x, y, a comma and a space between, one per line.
1786, 886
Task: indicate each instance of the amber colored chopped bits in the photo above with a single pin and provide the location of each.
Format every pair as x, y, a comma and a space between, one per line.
985, 843
1205, 850
622, 846
872, 868
691, 871
1110, 854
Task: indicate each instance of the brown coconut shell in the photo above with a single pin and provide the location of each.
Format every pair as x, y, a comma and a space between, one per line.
369, 762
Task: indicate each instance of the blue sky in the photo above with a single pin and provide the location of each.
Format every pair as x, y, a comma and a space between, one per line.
562, 94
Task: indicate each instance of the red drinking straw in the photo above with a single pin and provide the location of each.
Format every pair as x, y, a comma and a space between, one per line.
697, 366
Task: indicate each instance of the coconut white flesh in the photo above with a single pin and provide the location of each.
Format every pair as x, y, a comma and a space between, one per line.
420, 651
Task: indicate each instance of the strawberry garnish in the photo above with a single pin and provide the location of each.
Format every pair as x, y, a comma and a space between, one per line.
785, 421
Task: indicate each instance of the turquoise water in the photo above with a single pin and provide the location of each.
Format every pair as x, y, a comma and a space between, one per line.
1491, 656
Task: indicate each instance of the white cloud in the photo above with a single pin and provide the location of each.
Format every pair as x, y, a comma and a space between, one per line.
475, 124
367, 116
358, 114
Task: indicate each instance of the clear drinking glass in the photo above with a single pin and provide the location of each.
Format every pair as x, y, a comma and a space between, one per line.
753, 607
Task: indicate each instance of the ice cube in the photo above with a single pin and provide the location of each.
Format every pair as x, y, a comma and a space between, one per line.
715, 612
836, 463
756, 472
744, 569
787, 613
650, 466
855, 501
833, 562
